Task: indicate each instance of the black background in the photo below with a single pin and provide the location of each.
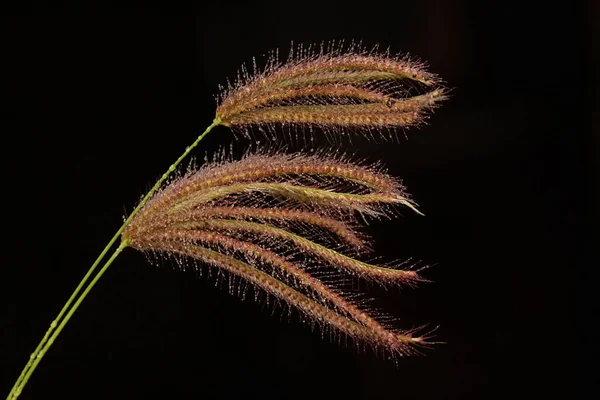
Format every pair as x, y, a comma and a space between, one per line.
100, 101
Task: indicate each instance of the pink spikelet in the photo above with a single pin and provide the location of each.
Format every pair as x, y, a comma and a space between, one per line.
286, 224
336, 89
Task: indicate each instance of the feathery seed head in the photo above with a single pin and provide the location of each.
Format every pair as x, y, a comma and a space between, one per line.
332, 88
287, 225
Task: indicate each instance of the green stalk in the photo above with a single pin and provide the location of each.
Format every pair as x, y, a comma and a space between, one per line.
69, 308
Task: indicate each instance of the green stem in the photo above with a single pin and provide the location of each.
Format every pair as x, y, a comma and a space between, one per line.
57, 324
64, 321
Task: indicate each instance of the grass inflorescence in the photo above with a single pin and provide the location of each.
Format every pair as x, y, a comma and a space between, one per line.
334, 88
286, 225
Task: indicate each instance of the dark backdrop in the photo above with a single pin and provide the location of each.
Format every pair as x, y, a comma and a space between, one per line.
99, 102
